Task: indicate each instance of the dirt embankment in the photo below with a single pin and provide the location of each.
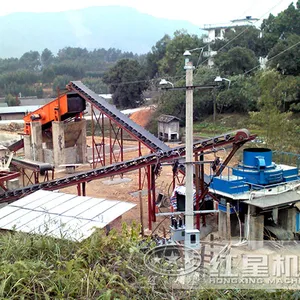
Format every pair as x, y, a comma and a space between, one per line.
142, 117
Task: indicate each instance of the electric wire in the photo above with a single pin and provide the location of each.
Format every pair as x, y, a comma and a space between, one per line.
179, 78
235, 37
271, 58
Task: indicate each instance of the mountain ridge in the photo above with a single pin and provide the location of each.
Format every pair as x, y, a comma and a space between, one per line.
118, 27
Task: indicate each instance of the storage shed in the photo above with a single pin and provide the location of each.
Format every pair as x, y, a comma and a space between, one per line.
168, 128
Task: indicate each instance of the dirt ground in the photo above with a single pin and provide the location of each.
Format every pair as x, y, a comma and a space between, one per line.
122, 191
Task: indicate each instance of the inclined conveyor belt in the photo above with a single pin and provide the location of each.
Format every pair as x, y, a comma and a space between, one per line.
237, 137
123, 121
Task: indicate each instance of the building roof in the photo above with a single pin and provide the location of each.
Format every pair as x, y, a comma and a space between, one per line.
167, 118
35, 101
61, 215
18, 109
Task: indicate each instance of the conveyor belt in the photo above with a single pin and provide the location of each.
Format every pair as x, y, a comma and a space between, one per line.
238, 137
123, 121
38, 166
16, 146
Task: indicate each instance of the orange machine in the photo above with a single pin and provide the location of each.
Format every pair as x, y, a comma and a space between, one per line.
64, 107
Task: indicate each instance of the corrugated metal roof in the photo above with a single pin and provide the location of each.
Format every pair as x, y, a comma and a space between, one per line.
61, 215
19, 109
167, 118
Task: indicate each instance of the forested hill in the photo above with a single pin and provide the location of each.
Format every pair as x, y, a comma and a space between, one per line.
118, 27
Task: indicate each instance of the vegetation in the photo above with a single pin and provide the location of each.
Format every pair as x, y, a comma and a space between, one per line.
25, 75
266, 101
127, 81
101, 267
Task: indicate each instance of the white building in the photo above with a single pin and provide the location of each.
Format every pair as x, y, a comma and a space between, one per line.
217, 32
168, 128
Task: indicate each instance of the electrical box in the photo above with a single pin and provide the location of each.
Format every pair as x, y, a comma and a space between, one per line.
178, 234
192, 238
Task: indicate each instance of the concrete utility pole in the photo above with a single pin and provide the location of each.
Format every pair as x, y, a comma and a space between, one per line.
189, 201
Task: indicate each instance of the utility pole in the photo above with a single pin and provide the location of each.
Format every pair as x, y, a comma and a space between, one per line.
191, 235
189, 201
214, 106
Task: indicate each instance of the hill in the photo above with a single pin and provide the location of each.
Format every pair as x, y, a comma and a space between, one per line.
96, 27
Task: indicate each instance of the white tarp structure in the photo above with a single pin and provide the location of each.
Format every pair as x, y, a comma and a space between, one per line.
61, 215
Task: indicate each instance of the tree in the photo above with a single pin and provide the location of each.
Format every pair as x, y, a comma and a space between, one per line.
280, 27
60, 82
286, 62
241, 97
127, 81
31, 60
157, 53
277, 129
39, 92
172, 63
236, 61
96, 85
248, 37
48, 75
11, 100
47, 58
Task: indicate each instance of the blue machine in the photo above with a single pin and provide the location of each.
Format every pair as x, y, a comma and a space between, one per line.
256, 170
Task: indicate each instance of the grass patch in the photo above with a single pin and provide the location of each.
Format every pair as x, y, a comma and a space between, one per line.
102, 267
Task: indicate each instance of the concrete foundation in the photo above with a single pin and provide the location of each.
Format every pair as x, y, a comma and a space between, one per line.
287, 219
255, 232
58, 138
33, 144
13, 184
222, 224
69, 142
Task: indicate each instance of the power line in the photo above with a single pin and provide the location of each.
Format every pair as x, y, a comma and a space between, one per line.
283, 51
199, 64
235, 37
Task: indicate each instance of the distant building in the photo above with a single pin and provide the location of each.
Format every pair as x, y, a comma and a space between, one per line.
217, 32
16, 112
25, 101
168, 128
107, 97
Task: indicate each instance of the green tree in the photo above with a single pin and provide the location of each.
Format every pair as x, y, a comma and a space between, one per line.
157, 53
31, 60
48, 75
173, 61
47, 58
60, 82
11, 100
286, 62
96, 85
126, 81
236, 61
240, 97
246, 37
39, 92
280, 27
277, 129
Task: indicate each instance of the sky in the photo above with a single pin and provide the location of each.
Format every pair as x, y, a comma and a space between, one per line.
199, 12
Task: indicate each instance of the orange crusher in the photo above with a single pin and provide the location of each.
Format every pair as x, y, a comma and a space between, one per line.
66, 106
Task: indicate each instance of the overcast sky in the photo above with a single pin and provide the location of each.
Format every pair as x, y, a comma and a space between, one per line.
198, 12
